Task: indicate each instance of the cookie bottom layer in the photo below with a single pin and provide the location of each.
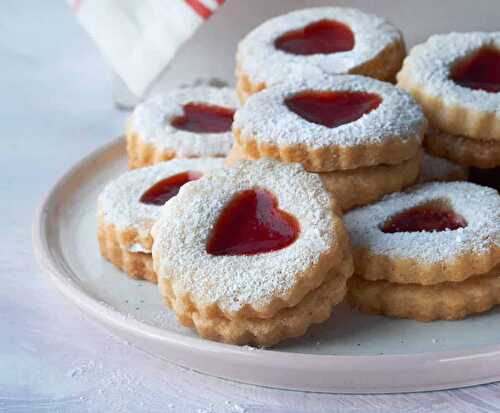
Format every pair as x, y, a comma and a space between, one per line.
362, 186
445, 301
463, 150
137, 265
316, 307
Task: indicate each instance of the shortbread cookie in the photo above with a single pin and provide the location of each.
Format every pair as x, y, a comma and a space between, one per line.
462, 150
437, 232
444, 301
318, 41
440, 169
456, 78
129, 206
370, 183
316, 307
331, 123
190, 122
247, 241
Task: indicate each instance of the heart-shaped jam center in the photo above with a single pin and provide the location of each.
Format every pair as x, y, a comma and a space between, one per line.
431, 217
332, 109
167, 188
323, 36
203, 118
252, 224
480, 71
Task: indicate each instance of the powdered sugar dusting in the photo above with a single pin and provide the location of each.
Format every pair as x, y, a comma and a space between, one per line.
265, 116
438, 169
480, 206
429, 64
151, 120
119, 201
259, 59
181, 234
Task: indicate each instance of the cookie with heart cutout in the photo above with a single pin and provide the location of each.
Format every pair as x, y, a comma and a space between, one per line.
440, 169
248, 241
456, 79
189, 122
436, 232
331, 123
316, 42
130, 205
371, 183
443, 301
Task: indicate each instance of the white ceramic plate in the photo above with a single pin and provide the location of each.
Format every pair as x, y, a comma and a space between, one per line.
352, 353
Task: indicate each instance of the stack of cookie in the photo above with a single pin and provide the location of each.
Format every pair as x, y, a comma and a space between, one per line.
248, 255
456, 79
252, 254
362, 136
432, 253
257, 252
185, 134
128, 207
354, 131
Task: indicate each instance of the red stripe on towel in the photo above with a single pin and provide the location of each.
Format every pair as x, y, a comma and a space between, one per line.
199, 8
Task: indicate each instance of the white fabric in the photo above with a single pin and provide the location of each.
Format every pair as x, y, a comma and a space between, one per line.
138, 38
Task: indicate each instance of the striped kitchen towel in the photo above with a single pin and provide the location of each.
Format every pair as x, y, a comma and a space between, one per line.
138, 38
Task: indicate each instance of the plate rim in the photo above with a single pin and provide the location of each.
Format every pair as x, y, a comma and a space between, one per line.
115, 320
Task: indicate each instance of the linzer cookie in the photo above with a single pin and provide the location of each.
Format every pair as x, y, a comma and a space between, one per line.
331, 123
130, 205
316, 42
440, 169
438, 232
191, 122
456, 79
429, 254
243, 253
371, 183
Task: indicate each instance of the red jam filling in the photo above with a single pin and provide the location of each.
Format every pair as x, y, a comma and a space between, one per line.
428, 218
203, 118
323, 36
332, 109
167, 188
252, 224
481, 71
